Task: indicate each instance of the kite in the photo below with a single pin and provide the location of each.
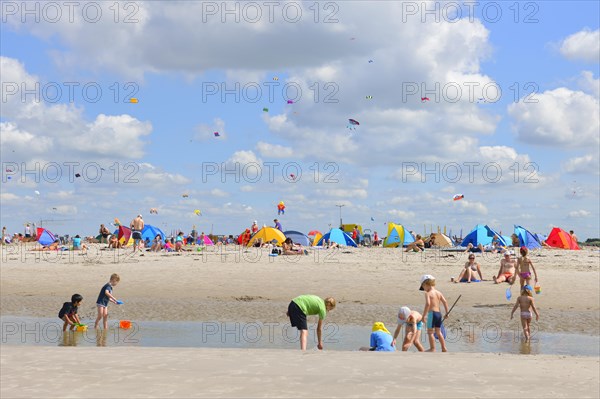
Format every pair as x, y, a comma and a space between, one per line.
197, 212
575, 189
290, 101
372, 220
293, 176
369, 97
133, 100
37, 192
185, 195
352, 123
54, 209
281, 208
117, 222
77, 175
265, 109
153, 211
275, 78
9, 177
458, 197
217, 134
370, 61
423, 99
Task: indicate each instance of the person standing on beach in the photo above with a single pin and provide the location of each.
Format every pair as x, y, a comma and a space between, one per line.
525, 301
309, 305
27, 230
524, 268
137, 225
432, 316
104, 298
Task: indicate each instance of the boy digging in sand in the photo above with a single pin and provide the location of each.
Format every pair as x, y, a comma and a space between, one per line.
103, 299
525, 301
431, 313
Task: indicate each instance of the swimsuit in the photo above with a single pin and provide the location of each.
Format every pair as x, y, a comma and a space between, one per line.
434, 319
526, 315
136, 235
508, 275
525, 275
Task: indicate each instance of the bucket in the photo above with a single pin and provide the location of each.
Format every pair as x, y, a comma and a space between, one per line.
538, 289
81, 328
125, 324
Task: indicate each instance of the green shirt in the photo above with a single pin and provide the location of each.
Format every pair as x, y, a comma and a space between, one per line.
311, 305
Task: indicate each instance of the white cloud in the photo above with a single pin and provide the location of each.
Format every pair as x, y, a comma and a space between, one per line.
274, 150
588, 84
561, 117
218, 193
587, 164
583, 45
579, 214
402, 215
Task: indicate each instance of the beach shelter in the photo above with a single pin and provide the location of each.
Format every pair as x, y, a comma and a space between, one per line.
150, 232
442, 240
297, 237
337, 236
314, 233
268, 234
540, 237
207, 241
395, 235
482, 234
408, 237
44, 237
526, 238
558, 238
124, 235
316, 239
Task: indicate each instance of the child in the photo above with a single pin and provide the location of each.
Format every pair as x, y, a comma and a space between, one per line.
525, 301
309, 305
414, 325
524, 268
381, 339
68, 313
103, 299
431, 312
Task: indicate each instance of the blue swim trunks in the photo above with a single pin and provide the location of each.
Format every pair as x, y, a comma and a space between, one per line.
434, 320
420, 325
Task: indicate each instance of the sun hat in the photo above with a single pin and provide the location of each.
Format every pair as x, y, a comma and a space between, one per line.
404, 312
424, 278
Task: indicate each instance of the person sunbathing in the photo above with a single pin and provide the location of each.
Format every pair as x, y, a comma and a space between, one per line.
417, 246
289, 248
51, 247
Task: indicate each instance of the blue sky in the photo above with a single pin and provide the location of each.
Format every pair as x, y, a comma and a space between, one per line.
175, 51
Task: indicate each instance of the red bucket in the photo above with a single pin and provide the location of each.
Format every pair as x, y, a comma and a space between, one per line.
125, 324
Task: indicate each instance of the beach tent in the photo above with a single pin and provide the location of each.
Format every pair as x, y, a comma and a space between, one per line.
124, 236
482, 234
150, 232
297, 237
540, 237
442, 240
44, 237
526, 238
408, 237
207, 241
395, 235
316, 239
268, 234
337, 236
558, 238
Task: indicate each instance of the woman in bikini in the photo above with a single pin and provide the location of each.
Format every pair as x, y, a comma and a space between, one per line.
470, 271
524, 268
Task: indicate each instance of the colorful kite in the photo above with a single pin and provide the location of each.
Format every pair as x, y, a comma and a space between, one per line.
281, 208
217, 134
265, 109
197, 212
352, 123
275, 78
153, 211
133, 100
369, 97
293, 176
423, 99
185, 195
458, 197
290, 101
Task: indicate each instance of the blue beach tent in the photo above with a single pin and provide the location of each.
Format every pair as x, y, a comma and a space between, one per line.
150, 232
482, 234
526, 238
297, 237
44, 237
337, 236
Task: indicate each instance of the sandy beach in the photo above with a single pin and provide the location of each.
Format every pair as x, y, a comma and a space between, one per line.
181, 372
369, 284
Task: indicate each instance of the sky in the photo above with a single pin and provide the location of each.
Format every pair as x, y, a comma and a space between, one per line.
497, 101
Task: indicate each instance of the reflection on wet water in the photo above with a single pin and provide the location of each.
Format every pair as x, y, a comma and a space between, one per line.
459, 338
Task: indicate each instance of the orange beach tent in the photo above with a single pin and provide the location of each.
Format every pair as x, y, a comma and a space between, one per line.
558, 238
